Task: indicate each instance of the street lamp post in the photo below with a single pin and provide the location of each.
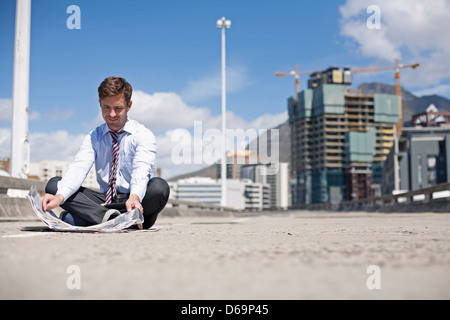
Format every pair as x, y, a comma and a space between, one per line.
223, 24
20, 147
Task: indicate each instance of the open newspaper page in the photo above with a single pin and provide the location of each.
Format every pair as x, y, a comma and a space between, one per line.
121, 222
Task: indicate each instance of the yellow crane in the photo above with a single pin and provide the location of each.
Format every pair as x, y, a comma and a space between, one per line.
398, 89
297, 74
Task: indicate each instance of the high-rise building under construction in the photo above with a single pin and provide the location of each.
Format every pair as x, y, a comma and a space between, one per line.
339, 139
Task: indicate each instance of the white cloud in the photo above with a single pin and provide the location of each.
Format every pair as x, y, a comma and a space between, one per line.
265, 121
165, 144
198, 143
59, 114
56, 145
35, 115
5, 142
443, 90
211, 85
55, 114
164, 110
411, 30
163, 113
371, 44
5, 109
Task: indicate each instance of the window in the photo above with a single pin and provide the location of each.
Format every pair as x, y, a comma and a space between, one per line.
419, 170
431, 163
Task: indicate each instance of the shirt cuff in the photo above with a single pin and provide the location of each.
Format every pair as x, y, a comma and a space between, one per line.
140, 192
65, 192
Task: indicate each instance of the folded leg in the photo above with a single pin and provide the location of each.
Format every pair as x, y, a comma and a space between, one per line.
85, 203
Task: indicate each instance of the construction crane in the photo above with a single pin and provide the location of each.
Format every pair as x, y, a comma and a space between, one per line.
398, 89
297, 74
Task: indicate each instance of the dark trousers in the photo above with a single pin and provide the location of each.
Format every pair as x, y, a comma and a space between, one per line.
88, 205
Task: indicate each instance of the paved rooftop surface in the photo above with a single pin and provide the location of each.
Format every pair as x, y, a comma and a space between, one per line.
285, 255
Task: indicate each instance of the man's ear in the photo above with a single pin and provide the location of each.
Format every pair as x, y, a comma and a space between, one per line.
129, 104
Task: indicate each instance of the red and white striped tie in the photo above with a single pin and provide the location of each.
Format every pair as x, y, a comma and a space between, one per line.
111, 193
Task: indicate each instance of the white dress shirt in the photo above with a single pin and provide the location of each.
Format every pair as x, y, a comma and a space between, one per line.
136, 160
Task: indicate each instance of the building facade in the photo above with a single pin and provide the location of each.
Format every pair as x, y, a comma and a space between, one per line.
431, 117
235, 160
422, 160
339, 139
279, 182
242, 194
46, 169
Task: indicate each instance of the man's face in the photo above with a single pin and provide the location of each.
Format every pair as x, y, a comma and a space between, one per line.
114, 111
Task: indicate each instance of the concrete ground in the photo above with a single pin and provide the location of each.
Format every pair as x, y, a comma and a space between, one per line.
286, 255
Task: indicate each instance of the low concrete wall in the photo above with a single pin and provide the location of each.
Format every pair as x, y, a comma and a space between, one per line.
189, 212
20, 184
20, 208
15, 207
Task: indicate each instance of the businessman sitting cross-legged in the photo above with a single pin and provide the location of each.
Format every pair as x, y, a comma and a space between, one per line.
123, 152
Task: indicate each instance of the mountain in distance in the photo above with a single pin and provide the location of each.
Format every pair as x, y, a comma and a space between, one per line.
210, 172
411, 105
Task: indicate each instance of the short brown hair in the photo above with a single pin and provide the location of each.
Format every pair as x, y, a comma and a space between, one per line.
112, 86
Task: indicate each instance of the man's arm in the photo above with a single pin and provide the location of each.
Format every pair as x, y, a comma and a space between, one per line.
73, 178
143, 162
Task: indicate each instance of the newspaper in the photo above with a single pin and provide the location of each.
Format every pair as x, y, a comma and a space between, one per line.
121, 222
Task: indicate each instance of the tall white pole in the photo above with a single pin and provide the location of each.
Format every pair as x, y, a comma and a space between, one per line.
224, 24
224, 125
20, 147
396, 164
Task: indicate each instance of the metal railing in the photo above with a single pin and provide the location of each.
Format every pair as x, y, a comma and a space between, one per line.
420, 199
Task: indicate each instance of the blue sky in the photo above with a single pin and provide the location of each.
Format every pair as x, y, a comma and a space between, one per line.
170, 52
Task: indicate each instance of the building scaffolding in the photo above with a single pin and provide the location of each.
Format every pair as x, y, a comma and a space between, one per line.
339, 139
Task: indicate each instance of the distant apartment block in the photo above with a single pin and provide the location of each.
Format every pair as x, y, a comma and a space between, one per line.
235, 160
4, 166
339, 139
422, 160
241, 194
46, 169
279, 182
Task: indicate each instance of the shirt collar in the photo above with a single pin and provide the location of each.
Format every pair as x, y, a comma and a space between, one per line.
128, 127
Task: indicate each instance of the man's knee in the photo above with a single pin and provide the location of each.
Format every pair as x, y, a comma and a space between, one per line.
155, 200
52, 185
158, 187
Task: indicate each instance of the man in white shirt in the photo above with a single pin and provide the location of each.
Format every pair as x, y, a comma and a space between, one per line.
123, 152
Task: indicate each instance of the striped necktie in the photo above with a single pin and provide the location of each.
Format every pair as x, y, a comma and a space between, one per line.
111, 193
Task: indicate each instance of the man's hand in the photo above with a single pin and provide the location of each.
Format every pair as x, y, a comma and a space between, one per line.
134, 202
50, 201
